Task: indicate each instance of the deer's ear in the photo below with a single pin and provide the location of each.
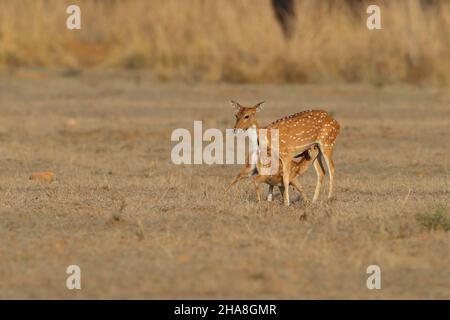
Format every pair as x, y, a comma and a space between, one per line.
258, 106
235, 105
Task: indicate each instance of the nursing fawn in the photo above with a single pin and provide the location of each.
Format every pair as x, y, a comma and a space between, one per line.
298, 167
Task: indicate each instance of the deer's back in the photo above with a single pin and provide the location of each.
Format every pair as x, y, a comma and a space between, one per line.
304, 128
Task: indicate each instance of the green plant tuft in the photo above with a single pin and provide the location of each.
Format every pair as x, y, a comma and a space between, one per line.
434, 221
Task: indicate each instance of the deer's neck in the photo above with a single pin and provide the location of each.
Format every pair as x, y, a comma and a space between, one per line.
253, 137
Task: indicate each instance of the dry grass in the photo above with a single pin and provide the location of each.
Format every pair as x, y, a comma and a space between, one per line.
141, 227
236, 41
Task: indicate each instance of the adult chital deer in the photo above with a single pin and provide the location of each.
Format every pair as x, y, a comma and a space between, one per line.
297, 133
298, 167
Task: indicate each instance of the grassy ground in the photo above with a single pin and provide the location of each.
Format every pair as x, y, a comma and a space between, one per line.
177, 235
234, 40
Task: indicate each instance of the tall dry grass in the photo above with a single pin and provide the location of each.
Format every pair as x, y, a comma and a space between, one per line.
232, 40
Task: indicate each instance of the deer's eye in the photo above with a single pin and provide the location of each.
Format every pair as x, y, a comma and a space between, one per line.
246, 117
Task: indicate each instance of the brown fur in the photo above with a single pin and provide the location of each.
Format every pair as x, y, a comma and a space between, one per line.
298, 133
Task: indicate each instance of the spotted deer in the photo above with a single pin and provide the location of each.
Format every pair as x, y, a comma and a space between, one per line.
298, 167
297, 133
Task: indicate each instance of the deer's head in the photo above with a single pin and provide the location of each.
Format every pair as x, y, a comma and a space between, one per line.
245, 116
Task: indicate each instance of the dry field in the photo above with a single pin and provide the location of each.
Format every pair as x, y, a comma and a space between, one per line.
141, 227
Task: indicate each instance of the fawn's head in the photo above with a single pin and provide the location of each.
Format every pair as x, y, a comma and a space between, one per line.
245, 116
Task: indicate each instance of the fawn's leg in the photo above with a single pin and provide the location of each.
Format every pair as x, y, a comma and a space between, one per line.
257, 182
297, 185
281, 188
270, 194
244, 173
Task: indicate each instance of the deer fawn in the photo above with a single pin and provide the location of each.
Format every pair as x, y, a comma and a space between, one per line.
298, 167
297, 133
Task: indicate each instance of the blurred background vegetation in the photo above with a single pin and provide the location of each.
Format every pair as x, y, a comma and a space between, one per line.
234, 40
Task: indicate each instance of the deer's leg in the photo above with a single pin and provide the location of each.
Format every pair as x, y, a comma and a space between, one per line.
298, 186
328, 155
270, 194
286, 174
320, 171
